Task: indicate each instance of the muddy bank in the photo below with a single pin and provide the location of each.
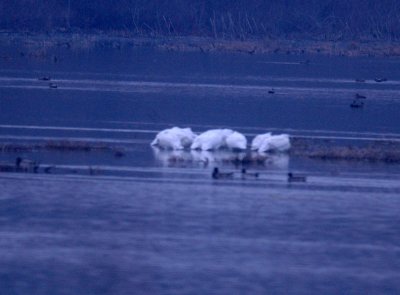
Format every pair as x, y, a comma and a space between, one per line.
36, 45
63, 145
370, 151
322, 149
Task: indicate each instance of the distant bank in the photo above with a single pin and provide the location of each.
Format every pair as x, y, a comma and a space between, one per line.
36, 44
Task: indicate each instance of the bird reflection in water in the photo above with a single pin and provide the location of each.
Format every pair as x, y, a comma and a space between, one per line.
198, 158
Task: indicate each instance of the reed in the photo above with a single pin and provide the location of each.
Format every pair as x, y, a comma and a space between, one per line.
378, 151
63, 145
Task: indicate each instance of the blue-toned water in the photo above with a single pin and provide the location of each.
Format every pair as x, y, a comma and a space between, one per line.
155, 222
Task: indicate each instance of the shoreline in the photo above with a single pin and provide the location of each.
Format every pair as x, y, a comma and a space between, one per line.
205, 45
318, 149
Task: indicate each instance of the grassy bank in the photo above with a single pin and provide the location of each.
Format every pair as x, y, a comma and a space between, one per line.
36, 44
61, 145
322, 149
369, 151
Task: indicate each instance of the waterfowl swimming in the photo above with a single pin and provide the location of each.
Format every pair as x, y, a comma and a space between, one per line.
53, 85
379, 80
174, 138
47, 169
271, 91
357, 104
236, 141
44, 78
252, 51
275, 143
359, 96
296, 178
216, 174
119, 154
211, 139
249, 174
258, 140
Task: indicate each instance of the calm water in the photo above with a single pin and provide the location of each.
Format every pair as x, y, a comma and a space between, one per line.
146, 224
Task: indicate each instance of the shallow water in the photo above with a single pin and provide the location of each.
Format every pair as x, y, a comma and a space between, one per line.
100, 224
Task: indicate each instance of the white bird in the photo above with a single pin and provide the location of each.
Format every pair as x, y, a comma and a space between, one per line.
236, 141
275, 143
211, 139
186, 135
258, 140
174, 138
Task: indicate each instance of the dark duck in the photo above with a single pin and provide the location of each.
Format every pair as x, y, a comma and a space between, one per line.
216, 174
246, 174
296, 178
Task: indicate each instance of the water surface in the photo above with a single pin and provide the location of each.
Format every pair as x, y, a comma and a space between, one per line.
148, 224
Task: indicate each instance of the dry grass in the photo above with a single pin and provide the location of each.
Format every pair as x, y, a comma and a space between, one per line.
359, 154
378, 151
38, 46
63, 145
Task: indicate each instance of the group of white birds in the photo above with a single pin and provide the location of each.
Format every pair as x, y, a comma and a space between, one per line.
183, 138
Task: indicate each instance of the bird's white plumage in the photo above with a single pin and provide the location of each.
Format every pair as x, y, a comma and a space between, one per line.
236, 140
211, 140
258, 140
179, 138
174, 138
275, 143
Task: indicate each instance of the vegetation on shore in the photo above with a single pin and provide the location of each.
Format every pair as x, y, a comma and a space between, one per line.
371, 151
38, 45
63, 145
327, 20
351, 28
378, 151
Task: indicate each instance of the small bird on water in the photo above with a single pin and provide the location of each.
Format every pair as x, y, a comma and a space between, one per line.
380, 80
216, 174
357, 103
359, 96
246, 174
296, 178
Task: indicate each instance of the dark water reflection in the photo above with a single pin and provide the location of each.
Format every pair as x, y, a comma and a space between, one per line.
154, 221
